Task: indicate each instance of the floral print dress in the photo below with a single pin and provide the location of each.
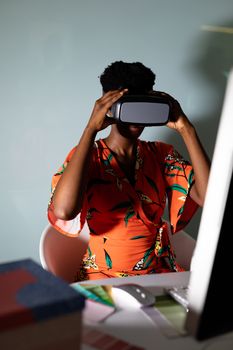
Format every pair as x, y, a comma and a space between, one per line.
127, 233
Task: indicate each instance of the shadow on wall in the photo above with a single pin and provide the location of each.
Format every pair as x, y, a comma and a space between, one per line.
211, 66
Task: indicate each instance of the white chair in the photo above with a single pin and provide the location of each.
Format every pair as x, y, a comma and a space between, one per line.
183, 245
62, 255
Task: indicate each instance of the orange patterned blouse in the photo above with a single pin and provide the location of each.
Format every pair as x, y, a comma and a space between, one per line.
127, 234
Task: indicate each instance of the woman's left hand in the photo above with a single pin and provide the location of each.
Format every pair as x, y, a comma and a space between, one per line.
178, 120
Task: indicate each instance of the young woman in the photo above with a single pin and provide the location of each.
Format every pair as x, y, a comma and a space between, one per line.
120, 185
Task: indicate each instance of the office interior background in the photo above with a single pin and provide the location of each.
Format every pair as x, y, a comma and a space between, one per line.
52, 53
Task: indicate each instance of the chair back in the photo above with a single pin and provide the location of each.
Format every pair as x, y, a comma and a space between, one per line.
183, 245
62, 255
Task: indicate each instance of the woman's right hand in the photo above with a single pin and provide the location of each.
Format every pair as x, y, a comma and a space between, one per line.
98, 120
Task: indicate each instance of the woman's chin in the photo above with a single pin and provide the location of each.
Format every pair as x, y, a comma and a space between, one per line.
132, 130
135, 127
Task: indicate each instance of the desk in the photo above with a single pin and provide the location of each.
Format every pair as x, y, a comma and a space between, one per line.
136, 328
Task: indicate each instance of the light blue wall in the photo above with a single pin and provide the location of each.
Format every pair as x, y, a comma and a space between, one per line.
51, 54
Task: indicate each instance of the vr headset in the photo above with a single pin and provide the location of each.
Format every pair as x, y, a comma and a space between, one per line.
144, 110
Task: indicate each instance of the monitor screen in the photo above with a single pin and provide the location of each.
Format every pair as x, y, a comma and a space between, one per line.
210, 289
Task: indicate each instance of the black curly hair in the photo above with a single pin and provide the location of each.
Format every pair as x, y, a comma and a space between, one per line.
135, 76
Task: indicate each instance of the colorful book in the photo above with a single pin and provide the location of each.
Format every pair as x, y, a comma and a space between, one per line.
31, 296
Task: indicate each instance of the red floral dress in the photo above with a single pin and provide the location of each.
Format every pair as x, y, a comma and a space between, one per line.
127, 233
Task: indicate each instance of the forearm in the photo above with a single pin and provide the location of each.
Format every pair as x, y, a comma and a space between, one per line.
69, 193
199, 160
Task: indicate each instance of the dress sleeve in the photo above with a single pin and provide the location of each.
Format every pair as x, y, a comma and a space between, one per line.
179, 178
68, 227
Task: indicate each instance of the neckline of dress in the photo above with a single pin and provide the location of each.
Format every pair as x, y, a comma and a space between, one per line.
114, 164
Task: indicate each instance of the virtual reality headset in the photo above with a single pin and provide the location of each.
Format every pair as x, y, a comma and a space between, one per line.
144, 110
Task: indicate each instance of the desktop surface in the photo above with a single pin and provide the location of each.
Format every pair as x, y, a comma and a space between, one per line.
135, 327
153, 280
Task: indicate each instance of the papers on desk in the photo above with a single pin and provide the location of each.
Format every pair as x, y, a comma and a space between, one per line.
97, 293
99, 304
167, 315
95, 312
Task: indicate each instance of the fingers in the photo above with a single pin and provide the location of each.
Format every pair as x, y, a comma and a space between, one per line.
113, 92
109, 114
176, 110
109, 98
98, 119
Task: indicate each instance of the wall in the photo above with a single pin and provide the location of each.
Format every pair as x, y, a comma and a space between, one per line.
52, 52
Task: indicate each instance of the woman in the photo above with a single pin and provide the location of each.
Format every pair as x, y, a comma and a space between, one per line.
120, 185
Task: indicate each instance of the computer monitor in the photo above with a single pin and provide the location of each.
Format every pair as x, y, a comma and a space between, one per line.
210, 292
